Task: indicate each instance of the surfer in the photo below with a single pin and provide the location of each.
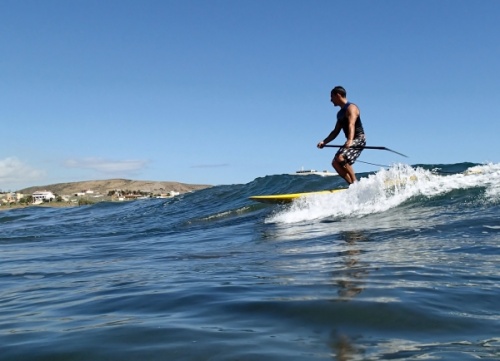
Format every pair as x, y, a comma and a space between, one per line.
348, 120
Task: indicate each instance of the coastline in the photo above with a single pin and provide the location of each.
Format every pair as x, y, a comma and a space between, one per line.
44, 205
55, 204
110, 190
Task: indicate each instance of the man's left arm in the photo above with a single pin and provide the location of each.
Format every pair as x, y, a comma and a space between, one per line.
352, 114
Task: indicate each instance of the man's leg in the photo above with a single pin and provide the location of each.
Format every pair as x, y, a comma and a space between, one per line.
344, 169
350, 172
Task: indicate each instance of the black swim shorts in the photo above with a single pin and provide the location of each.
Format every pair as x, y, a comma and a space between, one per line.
352, 153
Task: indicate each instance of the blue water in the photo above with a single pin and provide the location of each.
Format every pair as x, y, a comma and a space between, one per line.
404, 265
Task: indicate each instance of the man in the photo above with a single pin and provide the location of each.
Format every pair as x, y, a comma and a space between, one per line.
348, 120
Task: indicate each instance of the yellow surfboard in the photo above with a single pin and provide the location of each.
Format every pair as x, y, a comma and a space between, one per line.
287, 198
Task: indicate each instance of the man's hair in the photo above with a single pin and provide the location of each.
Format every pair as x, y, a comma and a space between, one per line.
339, 90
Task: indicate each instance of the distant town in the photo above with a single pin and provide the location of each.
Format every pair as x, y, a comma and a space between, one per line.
80, 198
90, 192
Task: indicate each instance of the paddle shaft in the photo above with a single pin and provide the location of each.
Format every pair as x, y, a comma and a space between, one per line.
366, 147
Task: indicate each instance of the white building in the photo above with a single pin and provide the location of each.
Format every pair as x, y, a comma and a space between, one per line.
41, 196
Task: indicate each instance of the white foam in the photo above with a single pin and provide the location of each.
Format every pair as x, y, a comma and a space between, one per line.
387, 189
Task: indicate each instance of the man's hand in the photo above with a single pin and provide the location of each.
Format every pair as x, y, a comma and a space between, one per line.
321, 145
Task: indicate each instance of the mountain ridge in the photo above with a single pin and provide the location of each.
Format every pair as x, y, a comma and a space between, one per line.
106, 185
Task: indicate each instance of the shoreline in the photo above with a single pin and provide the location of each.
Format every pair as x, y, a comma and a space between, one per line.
96, 191
49, 205
67, 204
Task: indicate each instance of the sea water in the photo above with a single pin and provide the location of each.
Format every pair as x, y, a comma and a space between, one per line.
403, 265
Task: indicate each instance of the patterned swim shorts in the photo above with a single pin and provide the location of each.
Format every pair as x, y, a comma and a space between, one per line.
351, 154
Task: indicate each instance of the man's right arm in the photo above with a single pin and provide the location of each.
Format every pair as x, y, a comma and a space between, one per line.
334, 133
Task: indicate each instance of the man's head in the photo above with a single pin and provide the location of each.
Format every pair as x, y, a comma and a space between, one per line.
337, 95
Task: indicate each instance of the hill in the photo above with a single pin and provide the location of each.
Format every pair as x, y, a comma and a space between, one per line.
104, 186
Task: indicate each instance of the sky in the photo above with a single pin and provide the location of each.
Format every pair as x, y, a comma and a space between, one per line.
226, 91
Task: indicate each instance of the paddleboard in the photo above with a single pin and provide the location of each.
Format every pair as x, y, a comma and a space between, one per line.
287, 198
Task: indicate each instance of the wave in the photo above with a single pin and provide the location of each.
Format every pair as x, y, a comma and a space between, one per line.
400, 185
386, 192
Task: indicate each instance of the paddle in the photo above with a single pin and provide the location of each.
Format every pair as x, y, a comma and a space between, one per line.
366, 147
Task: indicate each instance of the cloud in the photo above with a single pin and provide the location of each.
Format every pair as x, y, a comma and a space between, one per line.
107, 166
13, 171
210, 165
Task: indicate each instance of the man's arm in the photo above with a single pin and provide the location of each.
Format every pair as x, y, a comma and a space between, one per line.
333, 134
352, 113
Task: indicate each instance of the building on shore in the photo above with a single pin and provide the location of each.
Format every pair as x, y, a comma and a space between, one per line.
11, 197
43, 196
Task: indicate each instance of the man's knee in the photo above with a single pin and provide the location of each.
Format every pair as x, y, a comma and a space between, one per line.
341, 160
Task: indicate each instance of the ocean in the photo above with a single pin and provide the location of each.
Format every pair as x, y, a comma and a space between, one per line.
404, 265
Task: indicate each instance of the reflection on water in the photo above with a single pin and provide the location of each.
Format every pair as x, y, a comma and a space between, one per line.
338, 255
350, 284
342, 347
349, 278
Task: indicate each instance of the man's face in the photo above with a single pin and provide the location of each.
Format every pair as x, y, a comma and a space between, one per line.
334, 98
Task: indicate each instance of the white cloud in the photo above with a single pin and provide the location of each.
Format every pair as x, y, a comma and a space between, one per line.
14, 172
107, 166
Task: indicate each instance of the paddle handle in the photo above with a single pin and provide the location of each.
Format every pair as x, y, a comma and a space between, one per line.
366, 147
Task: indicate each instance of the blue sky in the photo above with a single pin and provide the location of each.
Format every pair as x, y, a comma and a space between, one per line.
225, 91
